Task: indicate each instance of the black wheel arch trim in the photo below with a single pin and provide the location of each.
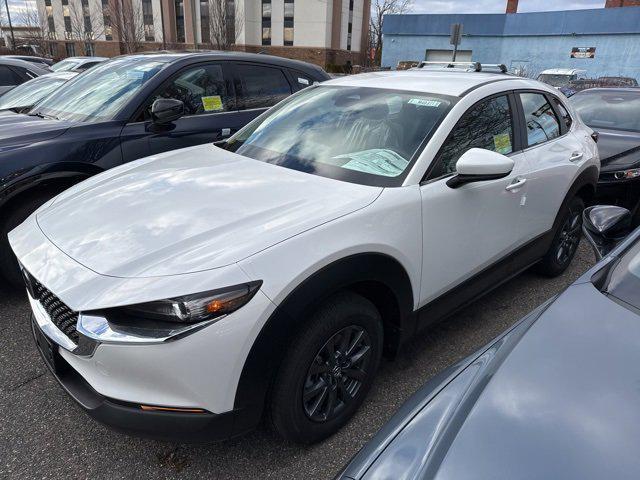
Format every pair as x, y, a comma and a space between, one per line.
270, 346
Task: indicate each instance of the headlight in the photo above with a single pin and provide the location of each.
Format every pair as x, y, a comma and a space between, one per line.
627, 174
198, 307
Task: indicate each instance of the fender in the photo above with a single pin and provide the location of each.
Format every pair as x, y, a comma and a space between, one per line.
376, 276
64, 173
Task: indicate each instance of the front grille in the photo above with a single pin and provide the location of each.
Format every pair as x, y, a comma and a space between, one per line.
62, 316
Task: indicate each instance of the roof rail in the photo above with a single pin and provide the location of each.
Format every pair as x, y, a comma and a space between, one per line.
473, 66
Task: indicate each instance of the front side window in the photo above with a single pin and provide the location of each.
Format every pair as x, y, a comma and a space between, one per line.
362, 135
8, 77
609, 109
541, 121
102, 91
202, 90
487, 125
262, 87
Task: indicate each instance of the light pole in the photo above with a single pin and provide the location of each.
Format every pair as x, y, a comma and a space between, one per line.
13, 39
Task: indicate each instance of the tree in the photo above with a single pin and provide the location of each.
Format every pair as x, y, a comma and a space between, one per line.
86, 25
223, 24
126, 23
379, 9
37, 31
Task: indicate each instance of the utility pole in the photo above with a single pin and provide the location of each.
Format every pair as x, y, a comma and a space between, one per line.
456, 38
13, 39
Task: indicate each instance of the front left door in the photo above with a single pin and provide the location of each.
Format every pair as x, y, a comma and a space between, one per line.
470, 228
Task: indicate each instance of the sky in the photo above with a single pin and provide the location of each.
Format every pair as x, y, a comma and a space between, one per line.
435, 6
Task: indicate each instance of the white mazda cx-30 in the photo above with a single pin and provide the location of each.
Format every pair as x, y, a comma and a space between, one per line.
188, 294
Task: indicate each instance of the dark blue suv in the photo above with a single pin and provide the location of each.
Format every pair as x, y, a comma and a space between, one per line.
128, 108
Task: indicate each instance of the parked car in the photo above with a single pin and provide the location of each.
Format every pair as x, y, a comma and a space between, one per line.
79, 64
575, 86
128, 108
553, 397
23, 97
42, 62
15, 72
613, 113
560, 77
195, 290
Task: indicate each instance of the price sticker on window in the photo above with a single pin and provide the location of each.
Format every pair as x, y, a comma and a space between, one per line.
212, 103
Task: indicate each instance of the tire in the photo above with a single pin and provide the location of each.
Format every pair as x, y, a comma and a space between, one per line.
9, 269
565, 241
309, 377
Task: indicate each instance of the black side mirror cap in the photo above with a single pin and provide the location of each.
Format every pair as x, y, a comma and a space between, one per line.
166, 110
595, 136
605, 226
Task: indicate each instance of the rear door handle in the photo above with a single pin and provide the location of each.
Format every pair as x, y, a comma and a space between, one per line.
517, 183
575, 156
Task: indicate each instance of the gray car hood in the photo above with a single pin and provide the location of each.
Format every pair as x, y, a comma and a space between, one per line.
561, 402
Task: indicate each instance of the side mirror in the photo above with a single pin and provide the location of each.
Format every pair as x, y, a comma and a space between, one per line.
605, 226
166, 110
477, 165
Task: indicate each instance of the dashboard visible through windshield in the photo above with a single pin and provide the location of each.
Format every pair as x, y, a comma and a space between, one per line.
357, 134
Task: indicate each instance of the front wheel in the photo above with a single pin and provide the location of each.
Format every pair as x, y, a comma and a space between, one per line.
565, 242
328, 369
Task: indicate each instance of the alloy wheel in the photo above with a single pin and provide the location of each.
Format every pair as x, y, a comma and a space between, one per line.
569, 238
336, 374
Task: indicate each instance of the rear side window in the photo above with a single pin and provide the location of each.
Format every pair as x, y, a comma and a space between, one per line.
262, 87
541, 121
486, 125
8, 77
566, 118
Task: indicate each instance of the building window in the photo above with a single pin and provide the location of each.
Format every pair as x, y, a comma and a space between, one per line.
205, 31
89, 49
288, 22
180, 21
266, 22
350, 26
147, 17
70, 49
106, 18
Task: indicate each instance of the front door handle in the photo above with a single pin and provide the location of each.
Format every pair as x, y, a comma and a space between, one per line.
517, 183
575, 156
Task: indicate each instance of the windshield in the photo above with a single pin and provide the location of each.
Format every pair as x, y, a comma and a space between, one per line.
556, 80
361, 135
29, 93
609, 109
624, 280
101, 92
64, 65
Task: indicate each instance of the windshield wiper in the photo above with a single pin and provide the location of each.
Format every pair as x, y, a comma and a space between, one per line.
42, 115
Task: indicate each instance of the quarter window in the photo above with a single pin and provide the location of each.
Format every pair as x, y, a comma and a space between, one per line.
541, 121
262, 87
487, 125
202, 90
566, 118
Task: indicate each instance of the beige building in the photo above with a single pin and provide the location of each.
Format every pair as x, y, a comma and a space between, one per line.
320, 31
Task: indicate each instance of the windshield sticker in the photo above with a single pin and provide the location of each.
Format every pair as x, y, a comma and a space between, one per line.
423, 102
377, 162
502, 142
303, 81
212, 103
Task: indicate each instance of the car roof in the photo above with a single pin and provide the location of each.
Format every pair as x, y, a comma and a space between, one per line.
176, 56
85, 59
609, 90
562, 71
452, 82
32, 67
66, 75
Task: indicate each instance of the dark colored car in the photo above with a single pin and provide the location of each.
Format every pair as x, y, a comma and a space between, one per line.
555, 397
39, 61
615, 114
22, 98
128, 108
15, 72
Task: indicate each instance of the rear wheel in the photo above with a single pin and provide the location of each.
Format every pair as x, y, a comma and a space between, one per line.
328, 370
17, 213
565, 242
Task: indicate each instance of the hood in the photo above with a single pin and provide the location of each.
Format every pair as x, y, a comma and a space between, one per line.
18, 129
618, 149
190, 210
554, 398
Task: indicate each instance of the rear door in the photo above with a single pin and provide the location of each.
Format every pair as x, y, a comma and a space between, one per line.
258, 88
208, 95
554, 156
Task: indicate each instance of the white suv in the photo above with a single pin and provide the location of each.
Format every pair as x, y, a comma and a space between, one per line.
188, 294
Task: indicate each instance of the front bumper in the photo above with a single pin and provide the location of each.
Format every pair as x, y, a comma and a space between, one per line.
130, 418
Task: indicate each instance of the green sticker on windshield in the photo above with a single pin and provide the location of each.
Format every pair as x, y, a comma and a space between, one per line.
502, 142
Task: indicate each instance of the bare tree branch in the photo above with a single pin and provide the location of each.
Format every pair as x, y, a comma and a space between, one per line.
224, 23
126, 24
86, 25
379, 9
37, 31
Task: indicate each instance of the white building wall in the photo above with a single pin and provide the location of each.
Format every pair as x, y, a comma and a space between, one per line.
252, 13
312, 23
277, 22
344, 24
358, 16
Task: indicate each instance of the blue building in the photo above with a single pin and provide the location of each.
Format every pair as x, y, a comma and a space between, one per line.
531, 42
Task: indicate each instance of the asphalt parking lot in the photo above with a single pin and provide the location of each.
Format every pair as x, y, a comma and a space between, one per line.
44, 435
